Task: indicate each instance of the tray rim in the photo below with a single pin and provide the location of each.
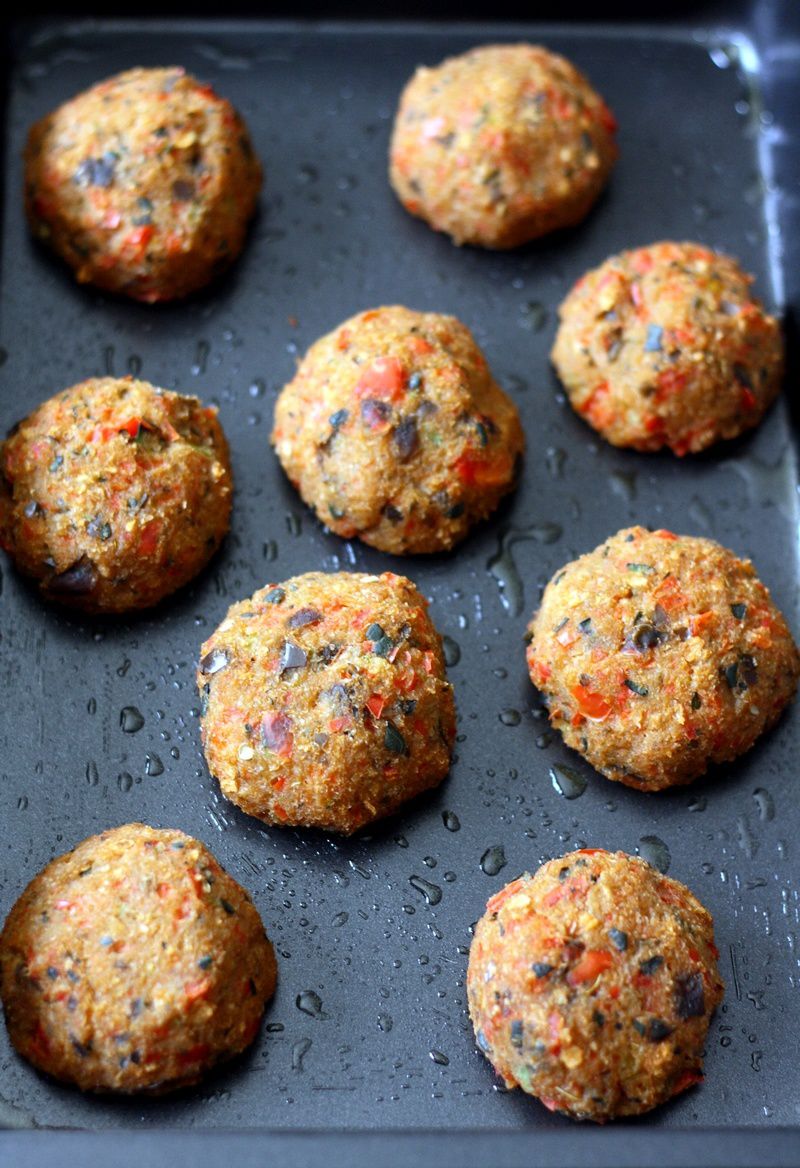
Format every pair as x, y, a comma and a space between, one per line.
761, 26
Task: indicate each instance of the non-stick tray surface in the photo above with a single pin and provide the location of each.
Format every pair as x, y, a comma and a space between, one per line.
368, 1029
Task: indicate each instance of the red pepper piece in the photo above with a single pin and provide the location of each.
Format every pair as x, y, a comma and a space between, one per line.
590, 966
592, 705
495, 902
385, 378
375, 704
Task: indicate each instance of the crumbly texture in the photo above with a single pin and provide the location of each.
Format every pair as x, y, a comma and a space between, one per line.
659, 655
394, 430
666, 346
501, 145
591, 985
325, 700
114, 493
134, 963
144, 183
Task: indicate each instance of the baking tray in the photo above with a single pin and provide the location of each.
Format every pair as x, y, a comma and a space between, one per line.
378, 927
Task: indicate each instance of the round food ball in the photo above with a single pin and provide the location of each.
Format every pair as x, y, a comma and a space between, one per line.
114, 493
666, 346
501, 145
134, 963
325, 700
144, 184
591, 985
659, 655
394, 430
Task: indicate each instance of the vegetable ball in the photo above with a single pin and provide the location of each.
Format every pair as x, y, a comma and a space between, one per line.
325, 700
394, 430
666, 346
659, 655
501, 145
144, 184
134, 963
114, 493
591, 985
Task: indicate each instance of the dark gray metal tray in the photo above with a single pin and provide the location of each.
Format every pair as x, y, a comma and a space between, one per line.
707, 152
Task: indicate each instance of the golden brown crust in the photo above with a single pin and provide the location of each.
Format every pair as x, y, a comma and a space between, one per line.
660, 655
134, 963
144, 183
501, 145
666, 346
114, 493
326, 702
591, 985
395, 431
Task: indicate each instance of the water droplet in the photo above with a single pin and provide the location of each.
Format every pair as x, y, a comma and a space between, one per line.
493, 860
698, 803
270, 551
503, 566
655, 851
401, 841
340, 919
554, 459
757, 998
125, 781
440, 1059
131, 720
510, 717
532, 316
567, 781
452, 652
385, 1022
755, 1059
22, 803
201, 358
299, 1052
724, 56
451, 821
700, 514
257, 387
92, 775
310, 1003
153, 766
429, 861
431, 892
746, 840
623, 483
764, 803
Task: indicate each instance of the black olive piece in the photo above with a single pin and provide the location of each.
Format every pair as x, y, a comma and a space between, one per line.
77, 580
292, 657
690, 1001
214, 660
650, 965
405, 437
303, 617
658, 1030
